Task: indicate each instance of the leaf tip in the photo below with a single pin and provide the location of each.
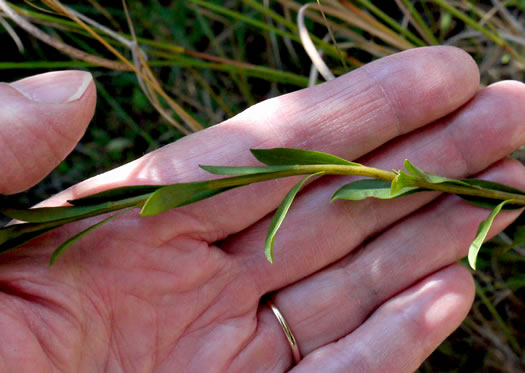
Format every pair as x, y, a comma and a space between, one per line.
56, 253
472, 261
145, 210
268, 247
148, 208
256, 153
269, 255
52, 260
206, 168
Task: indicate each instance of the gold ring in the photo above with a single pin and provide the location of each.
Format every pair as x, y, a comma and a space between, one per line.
287, 331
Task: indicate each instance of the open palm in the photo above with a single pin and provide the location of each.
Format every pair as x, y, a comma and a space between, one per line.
366, 287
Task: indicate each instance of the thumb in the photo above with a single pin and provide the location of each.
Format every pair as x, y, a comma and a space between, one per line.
41, 120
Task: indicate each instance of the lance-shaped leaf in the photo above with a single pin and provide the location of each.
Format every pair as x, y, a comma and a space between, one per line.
290, 156
280, 214
488, 202
178, 195
116, 194
431, 178
48, 214
9, 238
481, 234
18, 234
60, 250
371, 188
222, 170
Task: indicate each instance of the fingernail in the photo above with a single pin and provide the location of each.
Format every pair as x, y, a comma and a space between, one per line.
55, 87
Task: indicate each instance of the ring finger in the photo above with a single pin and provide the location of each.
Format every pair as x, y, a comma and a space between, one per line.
401, 333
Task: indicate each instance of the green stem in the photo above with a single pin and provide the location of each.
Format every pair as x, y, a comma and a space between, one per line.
366, 172
16, 235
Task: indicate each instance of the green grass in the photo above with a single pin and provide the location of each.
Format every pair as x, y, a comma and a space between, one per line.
215, 58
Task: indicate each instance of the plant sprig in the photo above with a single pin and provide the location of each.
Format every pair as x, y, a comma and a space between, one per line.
278, 163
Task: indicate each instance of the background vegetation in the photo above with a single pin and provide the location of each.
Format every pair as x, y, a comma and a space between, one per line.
212, 59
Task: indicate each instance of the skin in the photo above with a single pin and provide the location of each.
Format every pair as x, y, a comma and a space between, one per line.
368, 286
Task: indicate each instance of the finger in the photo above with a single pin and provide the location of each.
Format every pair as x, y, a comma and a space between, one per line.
41, 120
349, 116
328, 232
403, 332
339, 298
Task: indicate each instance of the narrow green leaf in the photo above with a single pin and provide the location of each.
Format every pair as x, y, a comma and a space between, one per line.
177, 195
221, 170
481, 234
116, 194
290, 156
431, 178
49, 214
371, 188
486, 184
280, 214
489, 202
18, 234
60, 250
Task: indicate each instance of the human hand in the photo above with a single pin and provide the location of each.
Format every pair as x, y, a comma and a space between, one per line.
368, 286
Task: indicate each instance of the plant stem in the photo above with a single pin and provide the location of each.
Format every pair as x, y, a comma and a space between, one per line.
367, 172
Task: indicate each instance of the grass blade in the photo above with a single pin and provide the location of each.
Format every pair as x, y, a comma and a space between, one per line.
280, 214
290, 156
